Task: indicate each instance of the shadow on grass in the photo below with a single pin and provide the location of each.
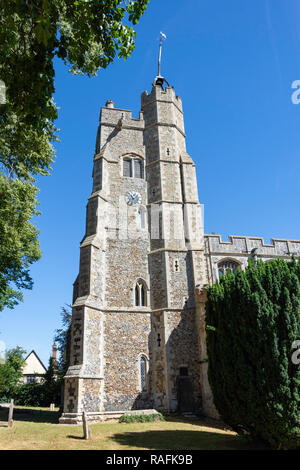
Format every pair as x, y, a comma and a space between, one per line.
200, 421
31, 414
184, 440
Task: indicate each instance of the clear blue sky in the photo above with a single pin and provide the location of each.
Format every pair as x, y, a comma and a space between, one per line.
233, 64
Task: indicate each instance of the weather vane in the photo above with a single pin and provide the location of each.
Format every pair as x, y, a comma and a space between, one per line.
159, 80
162, 38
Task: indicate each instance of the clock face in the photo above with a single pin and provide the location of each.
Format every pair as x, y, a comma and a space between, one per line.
132, 198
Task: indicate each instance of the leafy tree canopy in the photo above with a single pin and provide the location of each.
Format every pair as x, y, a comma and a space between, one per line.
62, 339
19, 246
11, 371
87, 35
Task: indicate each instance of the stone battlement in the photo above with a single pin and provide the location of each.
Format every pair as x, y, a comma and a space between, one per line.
243, 244
111, 116
158, 94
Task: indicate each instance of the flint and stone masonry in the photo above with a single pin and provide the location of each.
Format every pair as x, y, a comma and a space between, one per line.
138, 322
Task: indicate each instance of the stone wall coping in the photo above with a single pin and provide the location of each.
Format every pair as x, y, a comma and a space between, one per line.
94, 377
244, 237
245, 254
84, 302
172, 309
127, 111
99, 155
92, 240
155, 162
174, 250
76, 418
163, 160
147, 411
127, 310
99, 195
124, 126
161, 201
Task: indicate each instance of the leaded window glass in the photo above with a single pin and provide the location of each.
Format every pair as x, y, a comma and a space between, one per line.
133, 167
143, 370
30, 379
138, 168
226, 266
137, 295
127, 167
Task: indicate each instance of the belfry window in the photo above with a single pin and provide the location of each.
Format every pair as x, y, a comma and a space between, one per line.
226, 266
127, 167
133, 167
140, 294
138, 168
143, 372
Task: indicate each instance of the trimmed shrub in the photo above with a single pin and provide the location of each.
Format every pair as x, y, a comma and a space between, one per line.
253, 319
142, 418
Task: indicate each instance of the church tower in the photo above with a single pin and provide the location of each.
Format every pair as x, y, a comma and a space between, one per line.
134, 338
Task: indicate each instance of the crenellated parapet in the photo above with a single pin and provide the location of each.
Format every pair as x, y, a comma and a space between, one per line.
159, 94
245, 245
239, 249
120, 117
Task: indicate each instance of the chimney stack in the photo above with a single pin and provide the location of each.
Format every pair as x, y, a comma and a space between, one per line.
54, 349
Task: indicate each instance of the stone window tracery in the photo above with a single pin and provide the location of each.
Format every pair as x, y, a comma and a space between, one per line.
227, 265
133, 167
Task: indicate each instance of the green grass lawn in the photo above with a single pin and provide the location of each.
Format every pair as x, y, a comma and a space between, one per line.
37, 428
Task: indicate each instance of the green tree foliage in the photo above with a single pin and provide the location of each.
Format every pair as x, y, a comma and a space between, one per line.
33, 394
19, 246
253, 318
11, 371
51, 372
62, 338
37, 394
51, 389
87, 35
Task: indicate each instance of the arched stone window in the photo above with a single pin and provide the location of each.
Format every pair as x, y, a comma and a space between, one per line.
133, 166
227, 265
140, 294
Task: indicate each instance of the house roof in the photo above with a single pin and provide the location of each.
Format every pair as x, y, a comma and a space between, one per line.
37, 358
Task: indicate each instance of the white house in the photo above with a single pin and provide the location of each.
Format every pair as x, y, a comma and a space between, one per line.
33, 370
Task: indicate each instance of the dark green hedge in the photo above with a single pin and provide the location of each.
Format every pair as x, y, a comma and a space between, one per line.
35, 394
253, 318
